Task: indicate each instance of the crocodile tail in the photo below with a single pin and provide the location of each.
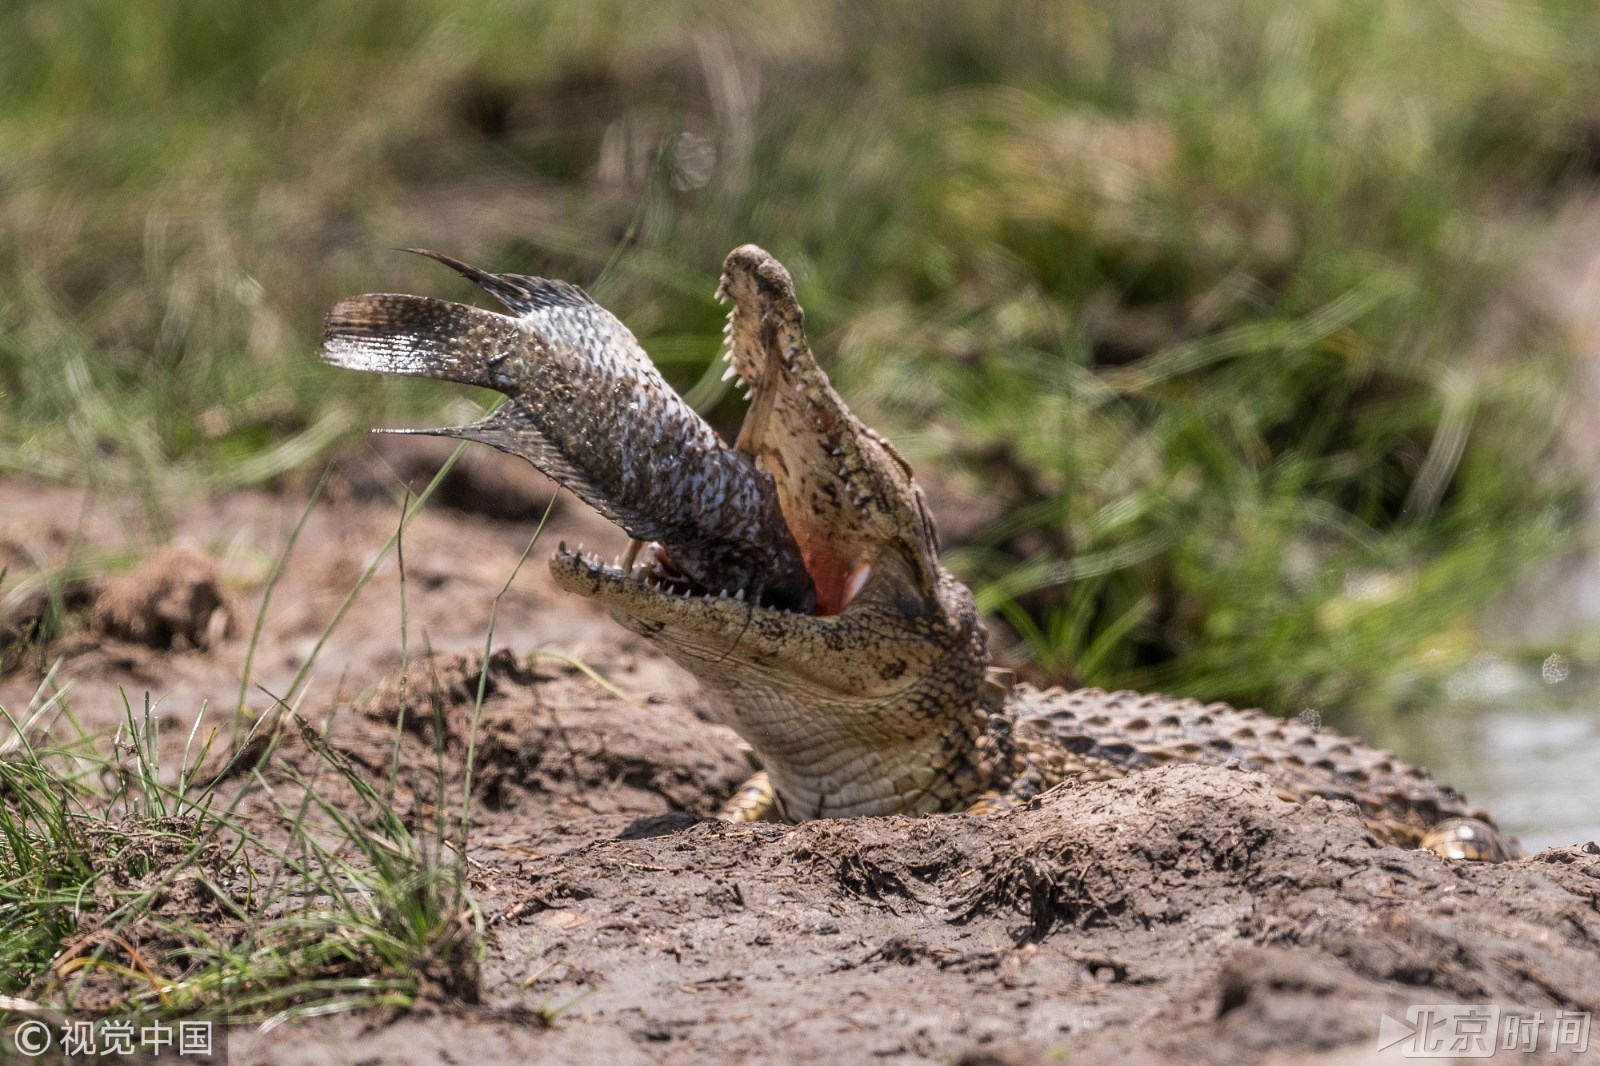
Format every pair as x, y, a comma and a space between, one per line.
419, 337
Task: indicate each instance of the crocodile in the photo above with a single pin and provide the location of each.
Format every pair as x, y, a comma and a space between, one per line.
796, 574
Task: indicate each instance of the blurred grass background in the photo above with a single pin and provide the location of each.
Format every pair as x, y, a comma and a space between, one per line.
1211, 306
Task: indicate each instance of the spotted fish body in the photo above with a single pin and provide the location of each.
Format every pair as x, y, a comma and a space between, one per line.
588, 408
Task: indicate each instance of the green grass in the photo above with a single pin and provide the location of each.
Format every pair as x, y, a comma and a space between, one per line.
1212, 300
153, 899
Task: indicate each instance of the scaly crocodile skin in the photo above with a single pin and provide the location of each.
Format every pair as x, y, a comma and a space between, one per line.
1102, 735
796, 574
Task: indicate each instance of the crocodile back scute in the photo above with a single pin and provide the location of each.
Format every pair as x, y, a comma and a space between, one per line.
1088, 733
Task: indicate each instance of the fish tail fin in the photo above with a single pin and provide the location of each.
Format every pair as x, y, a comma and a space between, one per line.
419, 337
523, 295
512, 429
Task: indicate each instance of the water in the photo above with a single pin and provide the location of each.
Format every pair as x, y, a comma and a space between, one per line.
1521, 742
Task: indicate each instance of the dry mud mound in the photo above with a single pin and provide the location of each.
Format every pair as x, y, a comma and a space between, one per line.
1182, 914
548, 742
174, 599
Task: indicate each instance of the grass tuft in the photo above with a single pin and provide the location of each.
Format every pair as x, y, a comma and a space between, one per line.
149, 899
248, 885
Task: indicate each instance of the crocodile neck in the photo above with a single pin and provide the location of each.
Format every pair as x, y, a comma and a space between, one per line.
890, 731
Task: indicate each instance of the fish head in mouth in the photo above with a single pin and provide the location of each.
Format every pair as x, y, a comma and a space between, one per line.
892, 642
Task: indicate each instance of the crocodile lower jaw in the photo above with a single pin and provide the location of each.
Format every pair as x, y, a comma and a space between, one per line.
646, 586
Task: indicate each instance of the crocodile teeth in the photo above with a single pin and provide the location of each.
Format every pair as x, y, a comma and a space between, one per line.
731, 372
857, 581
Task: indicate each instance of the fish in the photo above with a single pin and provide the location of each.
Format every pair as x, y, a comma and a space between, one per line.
586, 406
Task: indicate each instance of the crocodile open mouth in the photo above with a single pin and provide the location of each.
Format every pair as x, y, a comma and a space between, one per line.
841, 489
800, 514
652, 573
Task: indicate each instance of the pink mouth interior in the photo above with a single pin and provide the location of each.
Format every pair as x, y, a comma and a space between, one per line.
835, 579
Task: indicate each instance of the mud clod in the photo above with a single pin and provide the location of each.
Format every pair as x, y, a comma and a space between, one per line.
39, 614
173, 600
